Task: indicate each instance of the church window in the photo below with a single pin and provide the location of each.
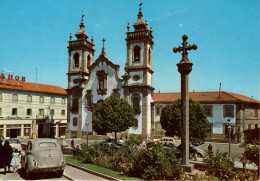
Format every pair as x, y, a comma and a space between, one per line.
63, 112
89, 98
63, 101
0, 96
52, 100
149, 56
76, 60
136, 103
75, 106
89, 60
102, 82
0, 111
158, 110
256, 113
75, 121
136, 54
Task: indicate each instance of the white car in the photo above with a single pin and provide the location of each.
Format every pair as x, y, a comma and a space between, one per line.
43, 155
15, 144
167, 141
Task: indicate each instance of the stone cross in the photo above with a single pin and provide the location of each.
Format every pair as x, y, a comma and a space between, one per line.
185, 67
185, 48
103, 49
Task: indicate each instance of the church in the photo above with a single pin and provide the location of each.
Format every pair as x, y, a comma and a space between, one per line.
90, 81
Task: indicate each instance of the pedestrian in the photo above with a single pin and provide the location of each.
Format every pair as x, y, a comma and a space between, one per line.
195, 156
1, 153
15, 160
210, 148
7, 153
72, 143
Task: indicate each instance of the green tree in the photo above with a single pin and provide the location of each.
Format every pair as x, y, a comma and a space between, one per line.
171, 120
112, 115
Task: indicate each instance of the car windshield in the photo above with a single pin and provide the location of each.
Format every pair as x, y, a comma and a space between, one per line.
14, 141
47, 144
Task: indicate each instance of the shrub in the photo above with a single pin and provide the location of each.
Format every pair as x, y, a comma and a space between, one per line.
156, 163
219, 165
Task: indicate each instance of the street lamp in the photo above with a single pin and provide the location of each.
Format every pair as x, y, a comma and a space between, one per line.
229, 139
87, 131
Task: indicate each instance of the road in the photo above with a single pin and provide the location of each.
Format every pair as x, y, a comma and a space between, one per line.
20, 175
236, 151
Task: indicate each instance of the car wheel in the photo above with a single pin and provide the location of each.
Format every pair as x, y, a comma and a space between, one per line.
60, 173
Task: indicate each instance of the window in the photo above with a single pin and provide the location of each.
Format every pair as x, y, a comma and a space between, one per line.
41, 99
136, 103
75, 121
208, 109
158, 111
89, 61
102, 82
149, 56
52, 100
29, 98
228, 111
0, 96
29, 112
256, 126
249, 126
76, 60
256, 113
136, 54
63, 101
75, 106
0, 113
52, 112
14, 112
63, 112
15, 97
89, 97
41, 112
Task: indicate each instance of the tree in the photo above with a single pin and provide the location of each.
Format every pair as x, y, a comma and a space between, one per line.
112, 115
171, 120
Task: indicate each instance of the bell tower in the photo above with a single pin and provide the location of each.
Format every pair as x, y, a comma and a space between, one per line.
138, 78
81, 57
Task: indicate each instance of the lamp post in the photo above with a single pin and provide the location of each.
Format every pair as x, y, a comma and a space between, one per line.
229, 139
87, 131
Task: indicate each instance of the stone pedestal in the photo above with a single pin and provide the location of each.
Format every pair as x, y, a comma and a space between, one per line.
188, 168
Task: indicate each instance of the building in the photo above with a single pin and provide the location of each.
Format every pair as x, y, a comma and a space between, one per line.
90, 81
28, 109
221, 108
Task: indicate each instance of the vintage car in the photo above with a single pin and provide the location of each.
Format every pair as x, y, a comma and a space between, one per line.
43, 155
15, 144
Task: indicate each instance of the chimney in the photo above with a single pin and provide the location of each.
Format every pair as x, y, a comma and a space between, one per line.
219, 89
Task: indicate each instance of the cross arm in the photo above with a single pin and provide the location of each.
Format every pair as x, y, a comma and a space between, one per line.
179, 49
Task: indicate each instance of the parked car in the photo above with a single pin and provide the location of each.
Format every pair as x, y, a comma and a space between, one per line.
194, 150
167, 141
111, 142
15, 144
196, 141
43, 155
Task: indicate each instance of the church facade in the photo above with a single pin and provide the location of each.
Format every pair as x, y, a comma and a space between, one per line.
90, 81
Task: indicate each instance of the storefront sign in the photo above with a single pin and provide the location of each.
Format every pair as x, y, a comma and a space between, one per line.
12, 77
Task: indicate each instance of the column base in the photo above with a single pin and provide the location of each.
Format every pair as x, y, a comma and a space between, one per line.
188, 168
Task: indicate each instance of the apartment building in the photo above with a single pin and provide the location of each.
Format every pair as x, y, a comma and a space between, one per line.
31, 109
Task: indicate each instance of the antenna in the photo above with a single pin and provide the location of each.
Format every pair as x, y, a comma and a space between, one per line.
36, 74
219, 89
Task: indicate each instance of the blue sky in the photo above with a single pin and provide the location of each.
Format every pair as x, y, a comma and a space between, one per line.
36, 33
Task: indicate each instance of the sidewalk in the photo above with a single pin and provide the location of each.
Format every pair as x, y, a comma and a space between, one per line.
77, 174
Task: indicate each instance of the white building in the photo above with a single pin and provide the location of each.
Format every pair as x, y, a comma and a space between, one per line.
90, 81
221, 108
28, 109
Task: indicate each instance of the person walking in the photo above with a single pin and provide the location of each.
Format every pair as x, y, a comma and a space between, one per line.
210, 148
72, 143
15, 160
7, 153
